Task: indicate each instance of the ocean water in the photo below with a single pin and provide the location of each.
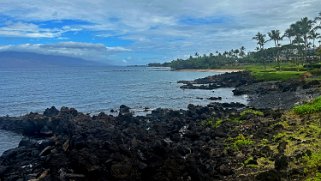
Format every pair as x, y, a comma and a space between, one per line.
96, 89
8, 140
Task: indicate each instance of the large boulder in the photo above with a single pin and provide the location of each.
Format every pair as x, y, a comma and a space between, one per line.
124, 110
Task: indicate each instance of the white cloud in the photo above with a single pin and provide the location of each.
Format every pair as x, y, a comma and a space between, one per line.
89, 51
20, 29
83, 46
155, 26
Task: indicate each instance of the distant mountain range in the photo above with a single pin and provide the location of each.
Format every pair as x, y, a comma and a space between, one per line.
11, 59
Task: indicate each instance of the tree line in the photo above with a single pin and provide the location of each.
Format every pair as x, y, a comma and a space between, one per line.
301, 45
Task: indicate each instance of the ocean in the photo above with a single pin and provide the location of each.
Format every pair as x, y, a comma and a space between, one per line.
98, 89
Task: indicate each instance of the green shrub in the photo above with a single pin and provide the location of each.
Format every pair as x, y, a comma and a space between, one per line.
279, 136
317, 177
240, 142
312, 164
308, 108
251, 111
212, 123
264, 142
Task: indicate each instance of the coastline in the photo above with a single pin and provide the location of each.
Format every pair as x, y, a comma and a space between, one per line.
171, 143
209, 70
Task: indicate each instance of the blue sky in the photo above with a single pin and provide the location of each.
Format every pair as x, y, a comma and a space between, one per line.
130, 32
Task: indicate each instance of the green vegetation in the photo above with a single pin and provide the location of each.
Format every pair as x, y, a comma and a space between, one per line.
299, 50
279, 136
262, 140
212, 123
280, 75
290, 143
246, 112
251, 162
240, 142
309, 108
301, 132
265, 163
312, 165
317, 177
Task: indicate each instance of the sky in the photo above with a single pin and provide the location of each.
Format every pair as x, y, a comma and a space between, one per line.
130, 32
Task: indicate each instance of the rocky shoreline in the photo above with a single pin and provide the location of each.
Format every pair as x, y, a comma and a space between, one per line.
262, 94
214, 142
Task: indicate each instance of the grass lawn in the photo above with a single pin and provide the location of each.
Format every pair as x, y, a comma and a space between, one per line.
270, 72
277, 75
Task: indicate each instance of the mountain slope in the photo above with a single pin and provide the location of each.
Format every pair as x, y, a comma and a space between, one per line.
28, 59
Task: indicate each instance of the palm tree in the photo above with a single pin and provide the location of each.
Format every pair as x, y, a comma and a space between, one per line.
313, 35
302, 29
305, 26
260, 38
275, 36
236, 52
318, 19
298, 40
296, 31
242, 51
289, 33
225, 54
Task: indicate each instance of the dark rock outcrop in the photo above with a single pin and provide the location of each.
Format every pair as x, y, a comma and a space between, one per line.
233, 79
164, 145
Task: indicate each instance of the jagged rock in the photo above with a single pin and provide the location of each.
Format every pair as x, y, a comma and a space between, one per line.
51, 112
233, 79
124, 110
67, 112
171, 144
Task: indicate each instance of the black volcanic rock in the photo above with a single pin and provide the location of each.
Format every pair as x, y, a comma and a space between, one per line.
51, 112
233, 79
215, 98
165, 143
